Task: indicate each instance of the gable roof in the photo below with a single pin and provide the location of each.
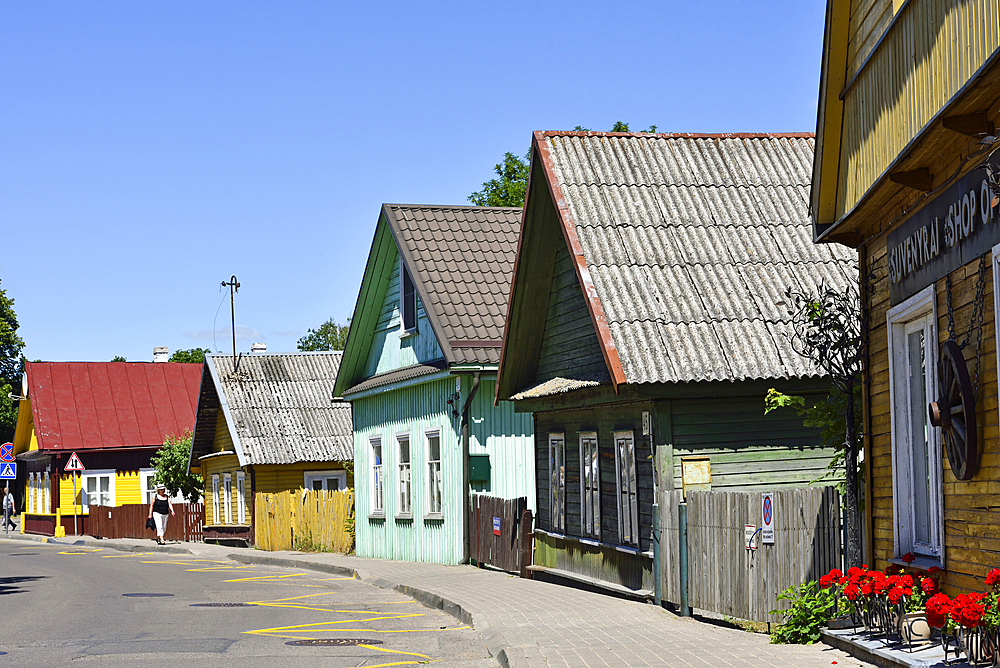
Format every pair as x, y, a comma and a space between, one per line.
683, 245
460, 259
279, 407
91, 405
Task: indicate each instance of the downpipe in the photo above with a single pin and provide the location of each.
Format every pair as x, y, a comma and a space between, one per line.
466, 500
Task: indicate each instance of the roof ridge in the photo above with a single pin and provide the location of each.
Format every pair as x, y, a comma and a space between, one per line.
683, 135
452, 206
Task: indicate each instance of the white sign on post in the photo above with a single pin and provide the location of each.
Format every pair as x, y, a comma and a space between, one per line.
767, 518
750, 537
74, 463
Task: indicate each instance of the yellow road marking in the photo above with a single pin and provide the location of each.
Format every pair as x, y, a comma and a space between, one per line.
396, 651
267, 577
333, 579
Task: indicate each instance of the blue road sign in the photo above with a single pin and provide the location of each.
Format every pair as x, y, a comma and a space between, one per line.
7, 452
8, 471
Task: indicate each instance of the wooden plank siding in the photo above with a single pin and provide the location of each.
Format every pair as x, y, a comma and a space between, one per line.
971, 512
569, 345
220, 466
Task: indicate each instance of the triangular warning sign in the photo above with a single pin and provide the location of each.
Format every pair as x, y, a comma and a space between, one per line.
74, 463
7, 471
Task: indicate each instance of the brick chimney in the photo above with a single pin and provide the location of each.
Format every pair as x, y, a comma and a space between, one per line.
161, 354
258, 348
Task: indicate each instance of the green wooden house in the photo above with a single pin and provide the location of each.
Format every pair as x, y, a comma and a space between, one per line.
419, 370
646, 324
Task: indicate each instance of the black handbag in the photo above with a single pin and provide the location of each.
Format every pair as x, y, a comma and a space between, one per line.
150, 524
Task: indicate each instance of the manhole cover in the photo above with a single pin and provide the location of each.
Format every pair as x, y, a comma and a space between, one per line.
334, 642
220, 605
145, 595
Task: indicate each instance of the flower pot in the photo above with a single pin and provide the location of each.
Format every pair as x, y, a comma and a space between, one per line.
976, 645
914, 628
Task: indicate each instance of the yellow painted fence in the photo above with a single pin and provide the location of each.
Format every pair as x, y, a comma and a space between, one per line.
305, 520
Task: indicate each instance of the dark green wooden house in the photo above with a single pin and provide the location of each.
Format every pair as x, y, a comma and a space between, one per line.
647, 322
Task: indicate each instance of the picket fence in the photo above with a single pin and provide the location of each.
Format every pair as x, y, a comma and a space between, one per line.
305, 520
723, 575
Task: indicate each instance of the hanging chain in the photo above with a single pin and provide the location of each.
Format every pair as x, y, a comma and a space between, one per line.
975, 320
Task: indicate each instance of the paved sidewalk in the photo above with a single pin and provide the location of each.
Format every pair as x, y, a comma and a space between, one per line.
531, 623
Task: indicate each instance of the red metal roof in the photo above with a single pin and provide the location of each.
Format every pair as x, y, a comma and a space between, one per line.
88, 405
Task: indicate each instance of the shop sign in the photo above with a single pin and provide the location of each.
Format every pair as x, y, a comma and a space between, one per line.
954, 229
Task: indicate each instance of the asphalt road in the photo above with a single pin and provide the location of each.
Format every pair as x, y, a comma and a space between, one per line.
63, 603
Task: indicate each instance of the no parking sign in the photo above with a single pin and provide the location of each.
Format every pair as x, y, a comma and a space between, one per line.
767, 518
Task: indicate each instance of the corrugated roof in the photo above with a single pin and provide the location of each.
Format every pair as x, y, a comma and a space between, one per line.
461, 259
90, 405
690, 242
279, 407
396, 376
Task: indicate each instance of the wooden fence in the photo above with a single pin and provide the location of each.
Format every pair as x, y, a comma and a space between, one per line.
500, 533
129, 521
726, 578
305, 520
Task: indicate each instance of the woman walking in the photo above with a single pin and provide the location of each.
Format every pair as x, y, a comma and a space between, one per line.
158, 509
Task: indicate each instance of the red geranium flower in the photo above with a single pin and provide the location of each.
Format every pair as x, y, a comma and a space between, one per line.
938, 607
928, 585
895, 595
825, 582
909, 558
836, 574
993, 578
851, 592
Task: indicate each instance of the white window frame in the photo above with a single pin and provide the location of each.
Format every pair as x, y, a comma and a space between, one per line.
145, 476
404, 478
47, 495
403, 273
376, 477
628, 490
31, 492
900, 320
557, 482
111, 474
311, 476
590, 486
241, 502
215, 499
227, 496
435, 502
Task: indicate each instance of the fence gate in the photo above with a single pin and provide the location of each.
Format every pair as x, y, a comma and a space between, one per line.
129, 521
500, 533
723, 575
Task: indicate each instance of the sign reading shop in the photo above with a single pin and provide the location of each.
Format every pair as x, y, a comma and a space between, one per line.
955, 228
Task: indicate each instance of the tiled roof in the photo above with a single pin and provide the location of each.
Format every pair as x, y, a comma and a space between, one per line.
88, 405
280, 408
461, 259
690, 242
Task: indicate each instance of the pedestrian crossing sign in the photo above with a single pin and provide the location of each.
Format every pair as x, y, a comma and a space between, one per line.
74, 463
8, 471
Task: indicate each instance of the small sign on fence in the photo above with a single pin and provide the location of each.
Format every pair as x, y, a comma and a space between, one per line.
750, 537
767, 518
496, 526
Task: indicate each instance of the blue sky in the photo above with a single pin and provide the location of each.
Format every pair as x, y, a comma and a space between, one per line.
149, 151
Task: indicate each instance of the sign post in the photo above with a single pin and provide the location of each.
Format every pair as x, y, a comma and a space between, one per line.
74, 464
767, 517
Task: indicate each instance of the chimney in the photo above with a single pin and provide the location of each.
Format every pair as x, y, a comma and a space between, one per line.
161, 354
258, 348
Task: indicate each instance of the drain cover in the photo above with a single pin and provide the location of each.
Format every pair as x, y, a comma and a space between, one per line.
220, 605
334, 642
145, 595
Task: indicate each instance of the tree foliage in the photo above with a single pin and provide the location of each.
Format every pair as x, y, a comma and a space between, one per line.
329, 336
11, 366
192, 356
171, 464
118, 358
510, 186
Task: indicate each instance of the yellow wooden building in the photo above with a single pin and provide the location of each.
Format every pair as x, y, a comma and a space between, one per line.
268, 424
909, 108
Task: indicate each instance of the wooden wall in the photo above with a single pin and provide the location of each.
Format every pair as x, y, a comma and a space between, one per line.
971, 509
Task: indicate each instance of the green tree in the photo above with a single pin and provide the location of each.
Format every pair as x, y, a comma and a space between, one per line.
118, 358
509, 187
11, 366
171, 464
328, 336
192, 356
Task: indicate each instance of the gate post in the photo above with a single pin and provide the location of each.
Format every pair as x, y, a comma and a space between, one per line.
682, 545
526, 537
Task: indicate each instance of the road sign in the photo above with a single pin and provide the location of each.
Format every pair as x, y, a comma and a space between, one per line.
767, 515
8, 471
7, 452
74, 463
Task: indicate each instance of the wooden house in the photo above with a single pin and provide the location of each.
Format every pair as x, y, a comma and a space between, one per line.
420, 369
268, 423
115, 416
645, 326
907, 123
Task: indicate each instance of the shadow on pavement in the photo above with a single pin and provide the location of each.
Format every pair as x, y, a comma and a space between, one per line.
10, 585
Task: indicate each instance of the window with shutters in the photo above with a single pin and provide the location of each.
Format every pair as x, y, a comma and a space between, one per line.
628, 497
590, 486
557, 483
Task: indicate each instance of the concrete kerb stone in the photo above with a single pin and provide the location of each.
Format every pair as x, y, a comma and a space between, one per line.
330, 569
93, 542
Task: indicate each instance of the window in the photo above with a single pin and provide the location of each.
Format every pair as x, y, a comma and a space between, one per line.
916, 449
31, 492
241, 503
628, 499
377, 499
407, 299
590, 487
557, 483
434, 506
405, 508
148, 477
327, 481
46, 495
215, 500
98, 488
227, 496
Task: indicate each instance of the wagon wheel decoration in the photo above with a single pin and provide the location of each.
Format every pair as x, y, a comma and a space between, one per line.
955, 412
